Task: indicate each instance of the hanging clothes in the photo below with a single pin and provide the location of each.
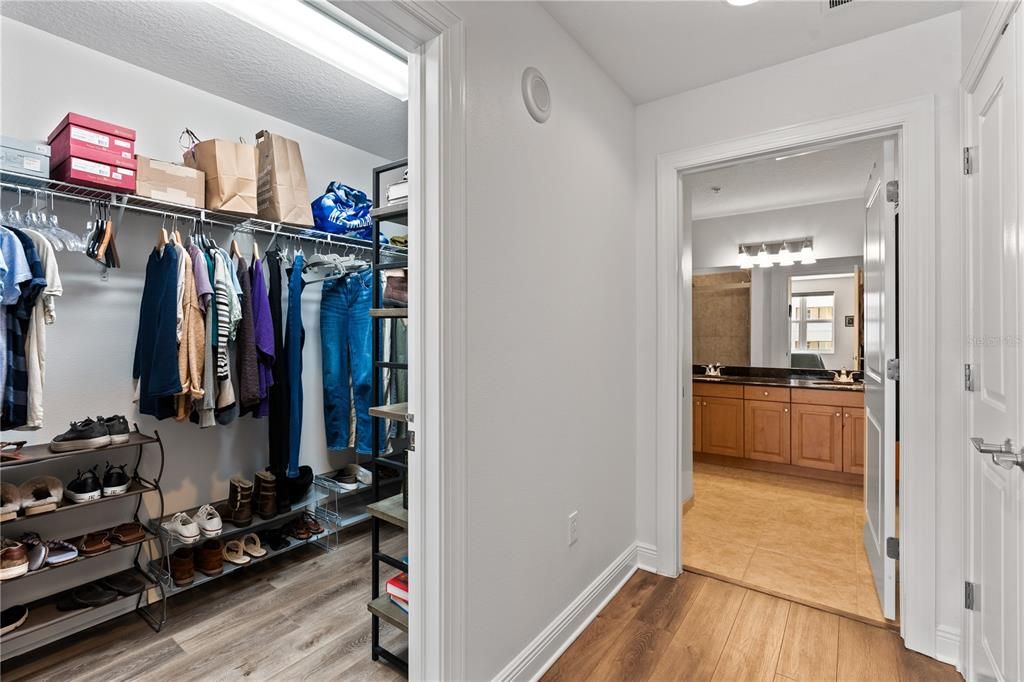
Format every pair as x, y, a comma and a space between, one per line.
279, 393
263, 331
191, 351
44, 313
246, 355
156, 351
226, 304
19, 316
295, 339
14, 273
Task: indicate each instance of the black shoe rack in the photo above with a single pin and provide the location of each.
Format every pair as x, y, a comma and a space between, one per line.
386, 509
45, 622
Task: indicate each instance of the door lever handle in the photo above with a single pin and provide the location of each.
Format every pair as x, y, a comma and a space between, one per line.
1003, 454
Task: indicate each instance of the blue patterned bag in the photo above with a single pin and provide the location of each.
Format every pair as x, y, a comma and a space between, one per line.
344, 210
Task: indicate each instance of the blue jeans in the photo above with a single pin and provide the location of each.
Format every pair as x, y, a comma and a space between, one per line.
346, 340
295, 337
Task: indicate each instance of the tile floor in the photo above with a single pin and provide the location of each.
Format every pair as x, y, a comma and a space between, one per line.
796, 537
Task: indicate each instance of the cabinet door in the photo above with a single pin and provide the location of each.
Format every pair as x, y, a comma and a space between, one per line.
853, 440
817, 435
722, 428
698, 412
767, 431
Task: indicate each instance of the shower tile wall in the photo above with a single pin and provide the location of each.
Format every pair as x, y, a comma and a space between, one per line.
721, 318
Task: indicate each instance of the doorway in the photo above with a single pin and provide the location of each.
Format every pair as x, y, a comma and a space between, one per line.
785, 435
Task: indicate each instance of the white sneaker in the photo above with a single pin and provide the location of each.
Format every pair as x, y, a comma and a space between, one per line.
183, 528
209, 521
364, 476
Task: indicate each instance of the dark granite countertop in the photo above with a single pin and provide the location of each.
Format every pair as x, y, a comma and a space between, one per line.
786, 382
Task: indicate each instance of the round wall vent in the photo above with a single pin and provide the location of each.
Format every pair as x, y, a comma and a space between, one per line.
536, 95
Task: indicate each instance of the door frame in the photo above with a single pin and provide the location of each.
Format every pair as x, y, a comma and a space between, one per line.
434, 37
914, 122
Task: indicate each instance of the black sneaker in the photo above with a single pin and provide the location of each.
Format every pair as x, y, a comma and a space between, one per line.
117, 427
115, 480
84, 435
85, 487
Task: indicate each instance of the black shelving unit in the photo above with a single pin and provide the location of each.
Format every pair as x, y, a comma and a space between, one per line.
391, 509
46, 623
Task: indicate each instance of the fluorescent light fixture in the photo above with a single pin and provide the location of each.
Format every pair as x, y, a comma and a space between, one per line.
743, 259
807, 254
740, 3
793, 156
316, 34
785, 257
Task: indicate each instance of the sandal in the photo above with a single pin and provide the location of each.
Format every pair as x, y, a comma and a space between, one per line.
297, 529
235, 553
274, 539
312, 524
252, 546
92, 544
128, 534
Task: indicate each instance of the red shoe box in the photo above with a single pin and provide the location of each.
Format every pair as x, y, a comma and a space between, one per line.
95, 174
87, 138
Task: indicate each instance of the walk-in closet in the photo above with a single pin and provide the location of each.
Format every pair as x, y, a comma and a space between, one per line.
205, 286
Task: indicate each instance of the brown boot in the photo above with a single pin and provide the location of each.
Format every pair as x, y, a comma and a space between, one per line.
182, 566
240, 501
209, 559
265, 493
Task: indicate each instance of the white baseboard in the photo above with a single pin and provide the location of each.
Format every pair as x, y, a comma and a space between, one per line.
647, 557
544, 650
947, 645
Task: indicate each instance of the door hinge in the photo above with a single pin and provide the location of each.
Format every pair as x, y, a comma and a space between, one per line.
968, 165
892, 369
892, 191
972, 596
411, 447
892, 548
968, 378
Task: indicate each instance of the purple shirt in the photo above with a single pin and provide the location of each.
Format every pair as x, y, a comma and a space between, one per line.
204, 290
264, 332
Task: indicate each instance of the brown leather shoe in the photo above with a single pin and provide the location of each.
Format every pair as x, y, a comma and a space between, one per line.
128, 533
265, 493
13, 560
92, 544
240, 501
209, 559
182, 567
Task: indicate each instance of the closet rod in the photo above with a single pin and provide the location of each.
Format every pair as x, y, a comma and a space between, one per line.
30, 186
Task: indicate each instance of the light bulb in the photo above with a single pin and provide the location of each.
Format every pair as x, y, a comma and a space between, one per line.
743, 259
807, 254
764, 259
785, 257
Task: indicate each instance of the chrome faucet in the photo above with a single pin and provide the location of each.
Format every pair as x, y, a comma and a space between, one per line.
714, 370
842, 376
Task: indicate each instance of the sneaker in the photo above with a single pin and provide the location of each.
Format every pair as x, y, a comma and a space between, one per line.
208, 521
117, 427
13, 559
85, 488
115, 480
84, 435
182, 528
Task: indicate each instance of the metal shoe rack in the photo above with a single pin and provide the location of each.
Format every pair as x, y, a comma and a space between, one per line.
391, 510
45, 622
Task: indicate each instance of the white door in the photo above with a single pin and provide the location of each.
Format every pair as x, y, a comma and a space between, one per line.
994, 501
879, 391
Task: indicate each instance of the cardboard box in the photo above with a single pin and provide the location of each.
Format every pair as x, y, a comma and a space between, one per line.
26, 158
230, 169
282, 195
166, 181
95, 174
92, 139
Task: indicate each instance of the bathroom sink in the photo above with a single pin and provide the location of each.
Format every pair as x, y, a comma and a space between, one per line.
709, 378
836, 384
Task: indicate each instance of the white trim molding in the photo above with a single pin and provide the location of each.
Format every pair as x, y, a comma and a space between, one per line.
647, 557
997, 19
947, 645
434, 36
540, 654
914, 122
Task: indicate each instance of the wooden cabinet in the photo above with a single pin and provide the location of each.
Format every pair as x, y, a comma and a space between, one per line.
817, 436
722, 426
854, 428
767, 426
698, 413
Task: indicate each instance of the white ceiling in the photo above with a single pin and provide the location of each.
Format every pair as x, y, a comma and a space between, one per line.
198, 44
766, 184
656, 49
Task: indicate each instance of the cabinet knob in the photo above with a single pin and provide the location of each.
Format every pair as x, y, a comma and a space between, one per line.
766, 392
837, 414
785, 409
847, 415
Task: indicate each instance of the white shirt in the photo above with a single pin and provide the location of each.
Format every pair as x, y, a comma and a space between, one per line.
44, 313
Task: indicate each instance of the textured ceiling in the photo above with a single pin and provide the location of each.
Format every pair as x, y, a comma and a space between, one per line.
766, 184
656, 49
198, 44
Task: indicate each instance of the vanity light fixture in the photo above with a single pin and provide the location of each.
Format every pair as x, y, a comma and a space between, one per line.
807, 253
743, 259
785, 257
764, 259
782, 252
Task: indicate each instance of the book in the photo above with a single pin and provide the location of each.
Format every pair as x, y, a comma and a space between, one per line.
400, 603
399, 587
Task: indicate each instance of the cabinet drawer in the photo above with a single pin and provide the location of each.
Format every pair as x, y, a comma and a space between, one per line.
770, 393
713, 390
839, 397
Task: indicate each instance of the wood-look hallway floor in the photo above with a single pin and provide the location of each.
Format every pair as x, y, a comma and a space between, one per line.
300, 616
699, 628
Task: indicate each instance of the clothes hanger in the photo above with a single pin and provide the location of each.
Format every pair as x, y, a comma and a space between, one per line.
234, 250
162, 238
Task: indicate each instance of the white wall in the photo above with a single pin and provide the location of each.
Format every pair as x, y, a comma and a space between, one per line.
837, 228
551, 342
90, 348
880, 70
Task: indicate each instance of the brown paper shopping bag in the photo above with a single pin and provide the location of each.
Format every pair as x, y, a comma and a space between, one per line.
281, 194
230, 169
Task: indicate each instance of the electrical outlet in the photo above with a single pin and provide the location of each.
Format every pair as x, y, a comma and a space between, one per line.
574, 531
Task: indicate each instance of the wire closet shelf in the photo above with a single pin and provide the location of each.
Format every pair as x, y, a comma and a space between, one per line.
31, 186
